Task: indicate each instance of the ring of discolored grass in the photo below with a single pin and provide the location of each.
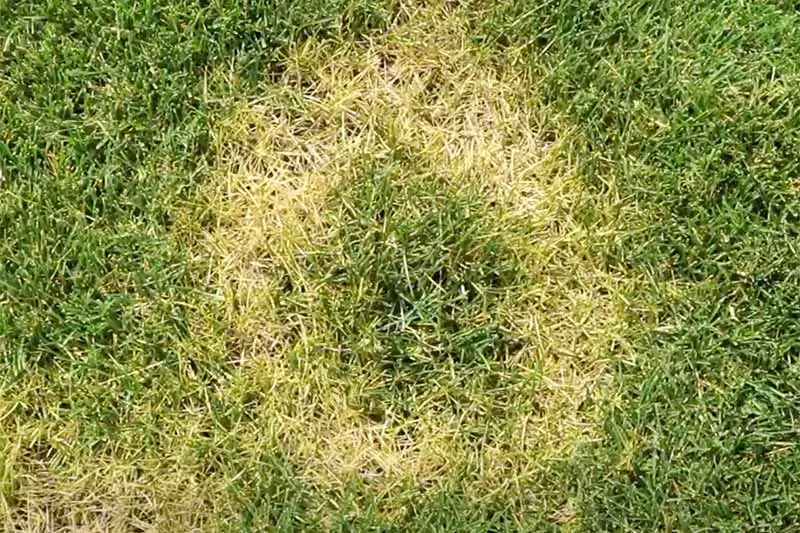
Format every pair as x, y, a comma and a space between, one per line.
397, 244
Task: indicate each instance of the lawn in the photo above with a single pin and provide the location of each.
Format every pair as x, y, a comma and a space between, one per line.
388, 265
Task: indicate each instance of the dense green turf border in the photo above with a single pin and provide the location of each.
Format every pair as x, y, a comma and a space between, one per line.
689, 112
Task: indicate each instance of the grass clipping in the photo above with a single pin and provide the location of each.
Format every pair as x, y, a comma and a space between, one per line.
405, 278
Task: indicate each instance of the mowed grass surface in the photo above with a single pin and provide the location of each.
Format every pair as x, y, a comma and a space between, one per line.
349, 265
688, 112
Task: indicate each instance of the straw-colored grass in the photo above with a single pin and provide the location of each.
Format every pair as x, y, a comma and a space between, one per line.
406, 304
423, 105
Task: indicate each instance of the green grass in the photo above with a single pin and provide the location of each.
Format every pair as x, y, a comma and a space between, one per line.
413, 264
688, 111
170, 360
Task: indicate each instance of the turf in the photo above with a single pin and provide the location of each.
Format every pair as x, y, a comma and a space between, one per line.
688, 112
363, 265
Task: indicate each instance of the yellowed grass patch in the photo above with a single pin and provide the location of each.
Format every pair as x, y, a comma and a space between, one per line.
135, 484
426, 99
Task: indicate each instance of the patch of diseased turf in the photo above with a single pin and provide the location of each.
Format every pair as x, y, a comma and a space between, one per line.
409, 293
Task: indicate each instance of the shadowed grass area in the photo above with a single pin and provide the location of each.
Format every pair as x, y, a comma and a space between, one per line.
412, 278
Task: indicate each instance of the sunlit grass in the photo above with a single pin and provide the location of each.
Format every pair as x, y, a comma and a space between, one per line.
381, 265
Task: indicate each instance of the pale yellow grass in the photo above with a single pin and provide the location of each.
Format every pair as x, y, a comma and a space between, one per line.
424, 91
134, 484
424, 100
